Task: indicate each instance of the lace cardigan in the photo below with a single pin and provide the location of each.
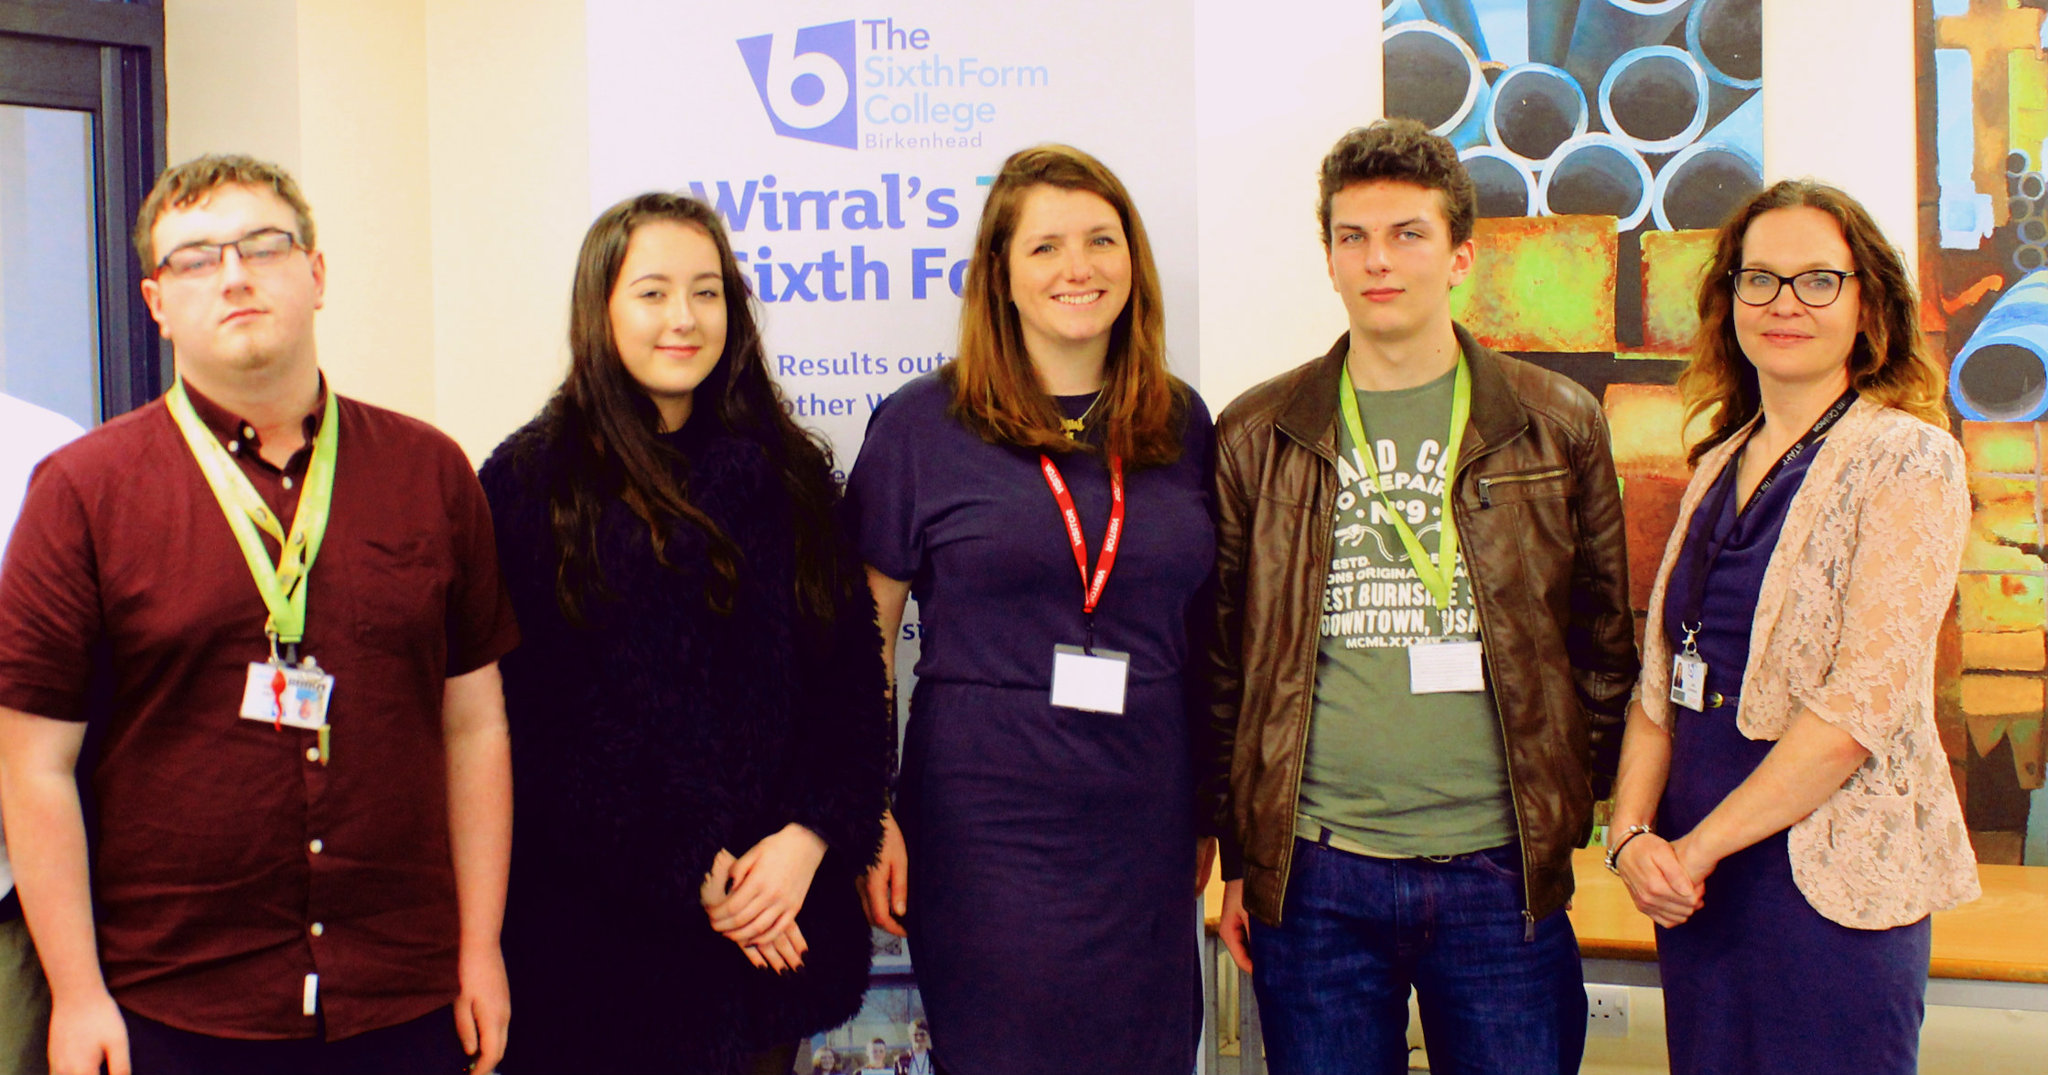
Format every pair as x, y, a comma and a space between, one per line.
1845, 627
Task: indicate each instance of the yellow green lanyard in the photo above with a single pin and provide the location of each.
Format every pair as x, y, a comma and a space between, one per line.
1435, 577
283, 584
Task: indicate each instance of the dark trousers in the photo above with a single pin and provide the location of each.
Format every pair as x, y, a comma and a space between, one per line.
424, 1046
1357, 933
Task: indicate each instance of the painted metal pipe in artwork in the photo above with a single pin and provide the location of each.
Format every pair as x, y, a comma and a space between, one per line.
1458, 17
1704, 182
1608, 28
1506, 184
1433, 77
1727, 38
1550, 30
2030, 258
1535, 109
1655, 99
1600, 175
2001, 373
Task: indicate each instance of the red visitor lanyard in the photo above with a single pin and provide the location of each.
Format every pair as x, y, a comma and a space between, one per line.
1092, 588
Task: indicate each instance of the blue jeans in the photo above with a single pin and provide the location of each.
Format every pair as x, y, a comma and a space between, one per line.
1357, 932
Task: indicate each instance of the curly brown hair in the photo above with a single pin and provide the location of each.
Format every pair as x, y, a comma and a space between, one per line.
1404, 151
1889, 363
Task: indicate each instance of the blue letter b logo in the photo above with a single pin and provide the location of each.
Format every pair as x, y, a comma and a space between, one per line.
806, 81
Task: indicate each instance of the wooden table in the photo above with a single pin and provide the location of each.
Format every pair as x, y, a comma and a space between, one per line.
1989, 953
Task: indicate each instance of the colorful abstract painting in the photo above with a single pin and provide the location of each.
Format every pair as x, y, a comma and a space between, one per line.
1608, 138
1983, 246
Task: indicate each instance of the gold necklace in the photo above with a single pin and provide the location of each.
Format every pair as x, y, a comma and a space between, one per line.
1075, 426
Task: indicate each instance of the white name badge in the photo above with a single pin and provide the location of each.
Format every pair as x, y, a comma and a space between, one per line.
1094, 682
277, 694
1689, 681
1446, 668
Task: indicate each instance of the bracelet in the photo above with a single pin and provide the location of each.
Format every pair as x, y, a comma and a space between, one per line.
1614, 856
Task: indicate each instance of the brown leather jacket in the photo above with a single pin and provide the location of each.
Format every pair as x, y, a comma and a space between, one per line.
1539, 519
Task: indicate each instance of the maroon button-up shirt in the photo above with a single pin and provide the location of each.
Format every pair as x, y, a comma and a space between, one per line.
230, 863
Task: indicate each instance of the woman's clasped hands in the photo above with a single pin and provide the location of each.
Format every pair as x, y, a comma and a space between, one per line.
1665, 878
753, 900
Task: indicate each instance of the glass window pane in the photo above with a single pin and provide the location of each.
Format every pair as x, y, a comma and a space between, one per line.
49, 261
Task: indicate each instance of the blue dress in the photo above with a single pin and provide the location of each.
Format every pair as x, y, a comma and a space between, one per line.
1757, 980
1052, 909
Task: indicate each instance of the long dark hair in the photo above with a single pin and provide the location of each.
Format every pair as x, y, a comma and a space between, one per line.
609, 424
995, 392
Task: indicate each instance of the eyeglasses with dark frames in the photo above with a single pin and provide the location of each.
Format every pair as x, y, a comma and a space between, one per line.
260, 249
1814, 287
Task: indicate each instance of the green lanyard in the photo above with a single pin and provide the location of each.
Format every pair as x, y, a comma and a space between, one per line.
283, 585
1435, 577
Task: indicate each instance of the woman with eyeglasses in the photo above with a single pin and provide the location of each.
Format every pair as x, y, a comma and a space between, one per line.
1784, 810
700, 740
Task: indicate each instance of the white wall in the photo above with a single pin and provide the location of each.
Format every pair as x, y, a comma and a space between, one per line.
1265, 292
1839, 104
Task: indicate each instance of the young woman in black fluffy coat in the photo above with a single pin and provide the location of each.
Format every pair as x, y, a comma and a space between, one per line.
700, 736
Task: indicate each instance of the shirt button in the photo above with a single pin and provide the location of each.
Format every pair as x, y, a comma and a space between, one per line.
287, 483
248, 432
234, 446
315, 847
312, 753
318, 929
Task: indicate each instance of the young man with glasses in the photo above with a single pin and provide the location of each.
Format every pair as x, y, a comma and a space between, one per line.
278, 614
1421, 660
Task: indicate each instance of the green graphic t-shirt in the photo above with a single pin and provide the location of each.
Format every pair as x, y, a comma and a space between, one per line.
1401, 773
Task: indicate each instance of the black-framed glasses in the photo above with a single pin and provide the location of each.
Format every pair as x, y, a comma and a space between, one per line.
258, 250
1814, 287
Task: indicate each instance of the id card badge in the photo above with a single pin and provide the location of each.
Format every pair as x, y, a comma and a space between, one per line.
280, 694
1446, 668
1689, 681
1094, 682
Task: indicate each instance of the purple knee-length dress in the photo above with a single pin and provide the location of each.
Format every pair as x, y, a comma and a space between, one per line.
1757, 980
1052, 911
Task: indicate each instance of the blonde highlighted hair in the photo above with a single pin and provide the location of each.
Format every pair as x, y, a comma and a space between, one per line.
1889, 363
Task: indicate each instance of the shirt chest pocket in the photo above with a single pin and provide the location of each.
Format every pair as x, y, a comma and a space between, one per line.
400, 591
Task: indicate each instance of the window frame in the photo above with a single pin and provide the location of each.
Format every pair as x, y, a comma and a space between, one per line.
105, 57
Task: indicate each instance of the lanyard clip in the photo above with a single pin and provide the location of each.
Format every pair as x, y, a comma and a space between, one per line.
291, 649
1686, 645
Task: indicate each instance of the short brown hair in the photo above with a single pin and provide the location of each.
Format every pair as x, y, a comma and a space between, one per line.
1404, 151
995, 392
193, 180
1889, 362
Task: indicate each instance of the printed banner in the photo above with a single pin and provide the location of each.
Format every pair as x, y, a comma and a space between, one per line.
849, 157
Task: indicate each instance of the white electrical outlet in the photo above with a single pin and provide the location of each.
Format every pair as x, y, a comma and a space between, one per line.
1607, 1011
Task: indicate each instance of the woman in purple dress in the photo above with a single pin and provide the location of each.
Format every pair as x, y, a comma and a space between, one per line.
1784, 810
1047, 844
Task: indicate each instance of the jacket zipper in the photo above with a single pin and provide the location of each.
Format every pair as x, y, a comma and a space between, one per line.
1479, 608
1486, 484
1324, 535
